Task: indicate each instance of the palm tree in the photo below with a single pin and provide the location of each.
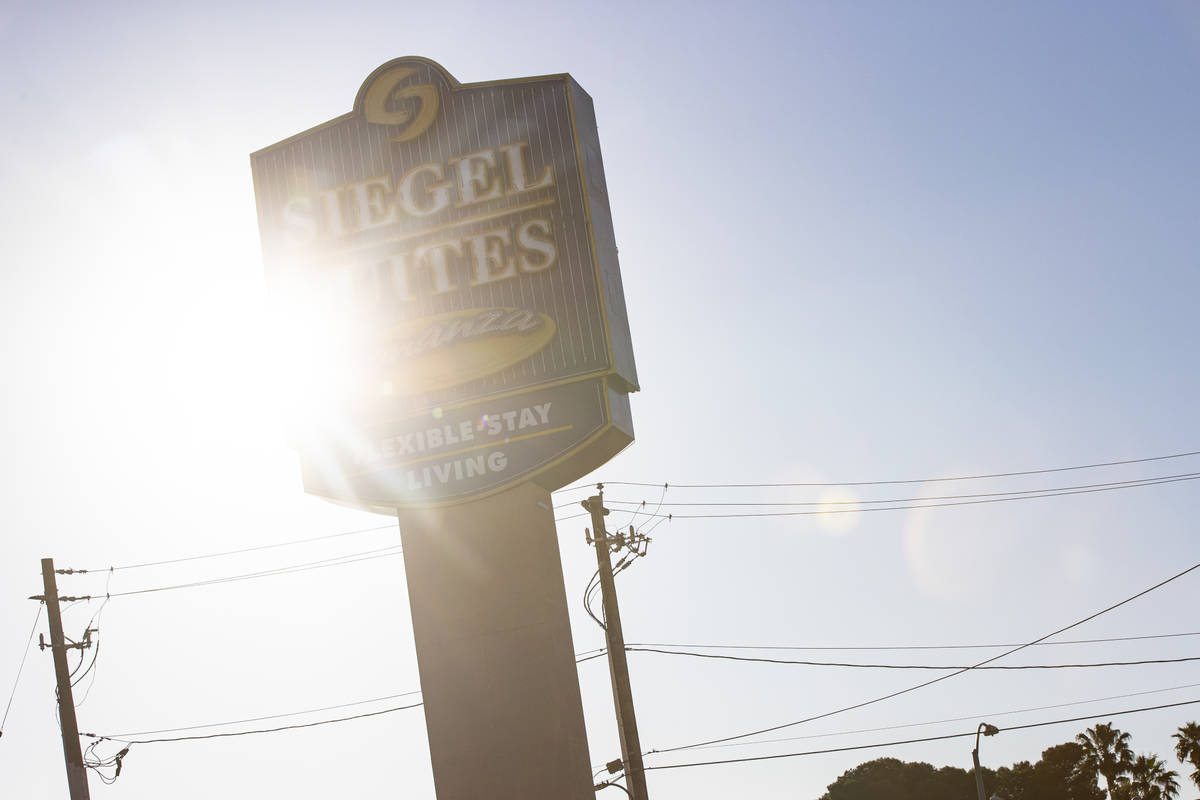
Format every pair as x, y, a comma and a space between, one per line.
1151, 780
1107, 751
1187, 748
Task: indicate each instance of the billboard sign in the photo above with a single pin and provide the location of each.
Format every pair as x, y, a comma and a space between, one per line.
447, 256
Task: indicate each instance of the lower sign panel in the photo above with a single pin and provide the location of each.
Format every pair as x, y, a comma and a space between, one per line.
548, 435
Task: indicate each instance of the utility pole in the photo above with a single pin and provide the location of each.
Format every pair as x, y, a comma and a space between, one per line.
76, 771
618, 665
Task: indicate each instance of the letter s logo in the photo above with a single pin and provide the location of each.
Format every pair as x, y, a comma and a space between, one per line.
387, 87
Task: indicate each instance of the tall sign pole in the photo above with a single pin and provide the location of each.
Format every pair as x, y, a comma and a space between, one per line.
445, 255
631, 746
72, 751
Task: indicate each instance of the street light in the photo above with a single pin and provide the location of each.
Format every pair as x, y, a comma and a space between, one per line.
986, 730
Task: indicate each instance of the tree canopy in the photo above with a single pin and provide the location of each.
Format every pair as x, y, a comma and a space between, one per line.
1068, 771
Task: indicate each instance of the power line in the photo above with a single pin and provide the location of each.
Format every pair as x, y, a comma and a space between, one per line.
336, 561
976, 717
20, 669
1034, 492
226, 734
585, 655
1149, 482
917, 741
890, 482
912, 646
754, 659
235, 552
938, 679
120, 736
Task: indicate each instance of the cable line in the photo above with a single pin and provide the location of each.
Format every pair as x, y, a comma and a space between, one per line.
1121, 484
724, 657
1148, 482
336, 561
249, 733
20, 669
585, 655
938, 679
911, 646
923, 739
889, 482
120, 736
233, 552
968, 717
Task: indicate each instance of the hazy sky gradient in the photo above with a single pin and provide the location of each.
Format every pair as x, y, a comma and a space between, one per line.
859, 241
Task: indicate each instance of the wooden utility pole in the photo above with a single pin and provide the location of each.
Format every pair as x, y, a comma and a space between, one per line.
631, 746
76, 771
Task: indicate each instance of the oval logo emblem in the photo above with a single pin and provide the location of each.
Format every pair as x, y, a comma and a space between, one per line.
457, 347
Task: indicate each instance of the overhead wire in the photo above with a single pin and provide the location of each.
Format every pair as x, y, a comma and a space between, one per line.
642, 507
587, 598
892, 482
852, 665
94, 624
964, 718
943, 737
913, 646
242, 550
858, 510
1133, 483
938, 679
98, 764
335, 561
226, 734
127, 736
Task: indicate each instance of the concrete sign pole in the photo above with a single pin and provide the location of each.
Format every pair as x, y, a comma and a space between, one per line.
494, 648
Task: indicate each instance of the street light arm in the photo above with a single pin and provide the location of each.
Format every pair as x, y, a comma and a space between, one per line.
987, 730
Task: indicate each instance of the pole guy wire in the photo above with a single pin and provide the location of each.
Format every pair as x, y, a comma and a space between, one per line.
21, 668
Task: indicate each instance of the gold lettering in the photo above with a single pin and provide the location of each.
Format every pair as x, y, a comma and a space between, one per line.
514, 158
405, 191
369, 202
439, 263
491, 263
542, 244
298, 217
475, 182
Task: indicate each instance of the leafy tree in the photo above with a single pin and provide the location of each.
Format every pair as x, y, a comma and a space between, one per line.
1187, 748
1107, 752
1149, 779
1061, 774
1013, 783
1064, 772
892, 779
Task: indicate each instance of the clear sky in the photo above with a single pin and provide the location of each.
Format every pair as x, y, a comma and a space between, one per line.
859, 241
